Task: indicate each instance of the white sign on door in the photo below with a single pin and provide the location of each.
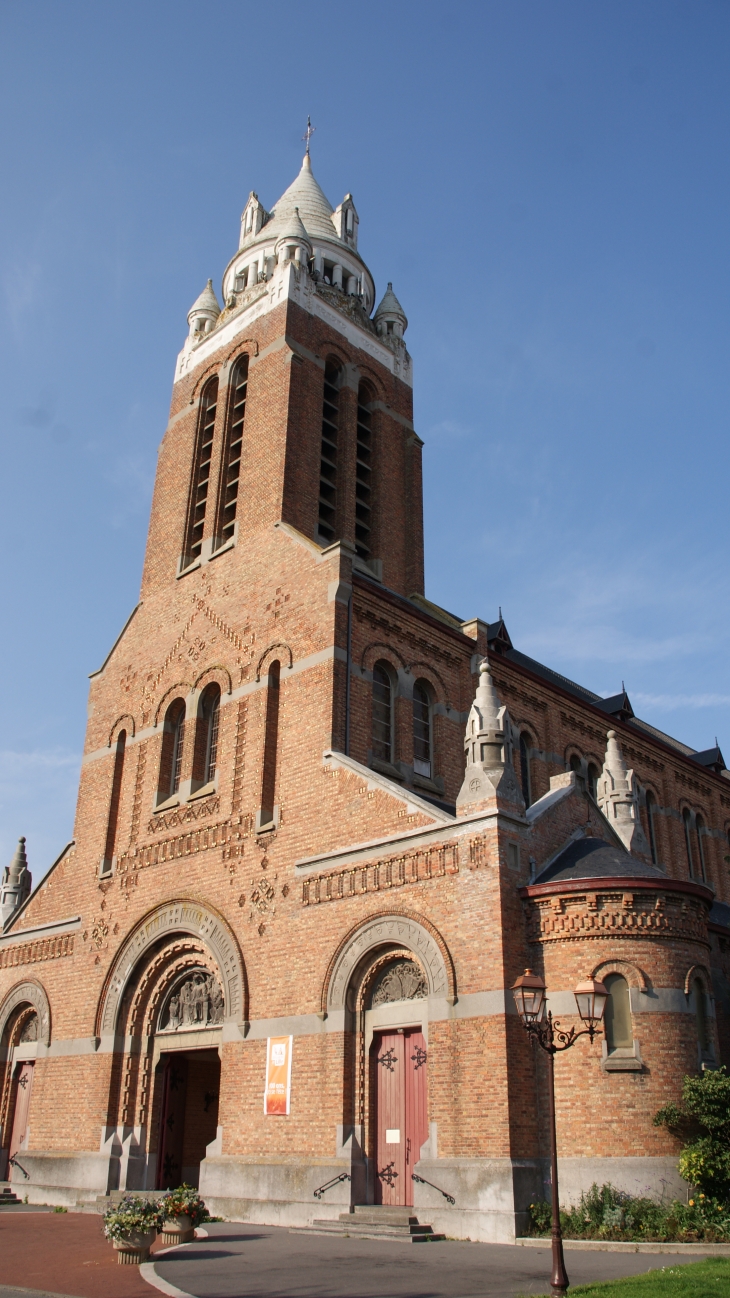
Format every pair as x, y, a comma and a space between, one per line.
392, 1136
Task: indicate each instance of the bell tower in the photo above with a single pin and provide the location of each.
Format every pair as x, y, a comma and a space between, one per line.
292, 404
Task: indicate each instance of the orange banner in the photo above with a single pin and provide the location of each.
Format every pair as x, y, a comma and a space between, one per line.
277, 1092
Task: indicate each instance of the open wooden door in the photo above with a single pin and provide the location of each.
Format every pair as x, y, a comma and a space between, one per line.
23, 1088
172, 1123
402, 1112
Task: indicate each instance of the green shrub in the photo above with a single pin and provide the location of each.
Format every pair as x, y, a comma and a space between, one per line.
604, 1212
184, 1201
702, 1121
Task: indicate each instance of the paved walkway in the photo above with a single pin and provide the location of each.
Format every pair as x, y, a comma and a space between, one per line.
57, 1256
266, 1262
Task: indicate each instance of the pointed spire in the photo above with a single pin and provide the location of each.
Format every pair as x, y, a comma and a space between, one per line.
206, 303
489, 774
390, 312
617, 795
16, 884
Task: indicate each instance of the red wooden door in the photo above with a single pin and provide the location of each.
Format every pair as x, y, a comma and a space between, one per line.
172, 1123
402, 1112
23, 1088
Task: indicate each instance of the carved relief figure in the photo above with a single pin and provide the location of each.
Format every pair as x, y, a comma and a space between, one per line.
198, 1002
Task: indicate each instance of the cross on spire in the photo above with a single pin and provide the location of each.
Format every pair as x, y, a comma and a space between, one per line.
309, 133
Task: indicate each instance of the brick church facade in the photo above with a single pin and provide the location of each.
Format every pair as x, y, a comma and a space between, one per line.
323, 825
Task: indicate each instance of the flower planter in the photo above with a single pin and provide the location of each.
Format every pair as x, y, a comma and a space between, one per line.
178, 1230
135, 1248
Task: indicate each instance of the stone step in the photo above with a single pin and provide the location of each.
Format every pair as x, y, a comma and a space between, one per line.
372, 1222
7, 1195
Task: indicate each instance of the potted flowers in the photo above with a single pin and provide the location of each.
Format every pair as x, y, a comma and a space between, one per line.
181, 1211
132, 1225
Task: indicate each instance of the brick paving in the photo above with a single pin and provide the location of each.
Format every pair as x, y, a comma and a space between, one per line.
64, 1253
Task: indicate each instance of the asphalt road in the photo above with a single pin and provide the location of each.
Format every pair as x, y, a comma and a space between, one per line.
244, 1261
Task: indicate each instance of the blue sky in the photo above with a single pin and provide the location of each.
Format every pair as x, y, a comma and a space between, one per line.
547, 186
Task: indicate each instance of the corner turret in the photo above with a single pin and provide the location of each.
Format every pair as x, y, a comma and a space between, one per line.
489, 777
618, 797
16, 884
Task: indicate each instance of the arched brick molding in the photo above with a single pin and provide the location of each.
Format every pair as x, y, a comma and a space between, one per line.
217, 673
183, 915
634, 976
28, 993
372, 653
278, 649
698, 970
125, 722
402, 930
245, 346
424, 671
201, 380
180, 690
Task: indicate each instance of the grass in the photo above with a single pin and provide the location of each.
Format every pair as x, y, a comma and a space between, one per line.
707, 1279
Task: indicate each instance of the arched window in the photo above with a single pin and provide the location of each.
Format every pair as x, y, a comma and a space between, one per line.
701, 1016
525, 746
593, 774
231, 460
687, 822
363, 473
113, 816
617, 1016
328, 462
421, 729
700, 828
200, 478
173, 743
271, 744
651, 824
576, 764
382, 713
205, 758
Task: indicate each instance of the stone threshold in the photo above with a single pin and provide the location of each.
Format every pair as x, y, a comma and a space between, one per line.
626, 1246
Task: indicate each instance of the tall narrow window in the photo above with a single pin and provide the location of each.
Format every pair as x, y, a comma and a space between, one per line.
577, 765
201, 472
700, 1000
700, 828
231, 461
173, 743
205, 757
525, 767
271, 741
617, 1015
363, 474
382, 713
593, 774
651, 824
328, 462
116, 793
687, 821
421, 729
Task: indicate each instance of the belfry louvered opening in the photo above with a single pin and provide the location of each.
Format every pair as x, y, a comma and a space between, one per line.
231, 460
201, 473
363, 474
328, 464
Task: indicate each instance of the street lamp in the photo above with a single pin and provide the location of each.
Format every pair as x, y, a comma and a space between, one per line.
591, 996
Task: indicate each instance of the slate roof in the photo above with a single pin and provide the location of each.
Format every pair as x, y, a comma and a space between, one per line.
591, 858
720, 914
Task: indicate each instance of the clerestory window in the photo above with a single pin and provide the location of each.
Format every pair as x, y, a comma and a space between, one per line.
329, 449
421, 729
205, 759
173, 744
525, 745
200, 477
687, 822
363, 474
113, 814
382, 713
231, 460
651, 806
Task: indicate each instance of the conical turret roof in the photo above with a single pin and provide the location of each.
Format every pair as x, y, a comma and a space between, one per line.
305, 197
391, 306
294, 229
206, 302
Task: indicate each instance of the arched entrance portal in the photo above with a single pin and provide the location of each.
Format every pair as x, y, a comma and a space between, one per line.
384, 977
177, 980
24, 1022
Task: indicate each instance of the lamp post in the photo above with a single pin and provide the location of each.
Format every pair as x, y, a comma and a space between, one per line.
591, 996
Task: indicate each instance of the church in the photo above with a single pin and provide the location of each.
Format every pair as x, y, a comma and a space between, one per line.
323, 825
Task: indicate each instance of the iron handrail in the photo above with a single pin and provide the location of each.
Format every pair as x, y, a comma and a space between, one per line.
344, 1176
422, 1181
13, 1162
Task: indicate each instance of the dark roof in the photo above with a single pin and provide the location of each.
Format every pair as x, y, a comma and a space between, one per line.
720, 914
711, 757
591, 858
617, 705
